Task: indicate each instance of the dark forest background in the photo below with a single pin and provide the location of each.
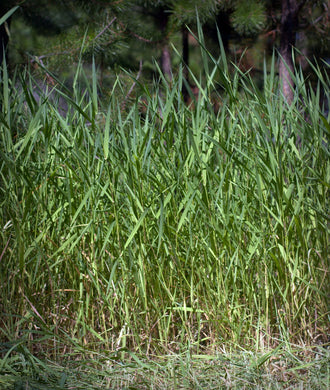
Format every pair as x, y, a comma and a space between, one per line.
130, 35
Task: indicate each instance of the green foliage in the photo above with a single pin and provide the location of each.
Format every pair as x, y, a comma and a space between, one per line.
184, 12
162, 228
249, 18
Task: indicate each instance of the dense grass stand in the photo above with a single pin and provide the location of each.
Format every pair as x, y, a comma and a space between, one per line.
175, 248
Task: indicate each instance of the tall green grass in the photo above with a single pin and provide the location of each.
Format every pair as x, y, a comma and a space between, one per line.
168, 228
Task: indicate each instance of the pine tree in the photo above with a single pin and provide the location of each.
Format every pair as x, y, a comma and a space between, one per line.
112, 25
47, 17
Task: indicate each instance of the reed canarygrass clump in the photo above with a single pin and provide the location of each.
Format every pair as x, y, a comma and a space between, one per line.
179, 227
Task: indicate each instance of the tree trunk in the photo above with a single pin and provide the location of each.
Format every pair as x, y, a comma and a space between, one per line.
289, 23
165, 60
166, 64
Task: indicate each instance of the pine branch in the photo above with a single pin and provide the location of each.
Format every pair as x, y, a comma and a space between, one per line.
105, 28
